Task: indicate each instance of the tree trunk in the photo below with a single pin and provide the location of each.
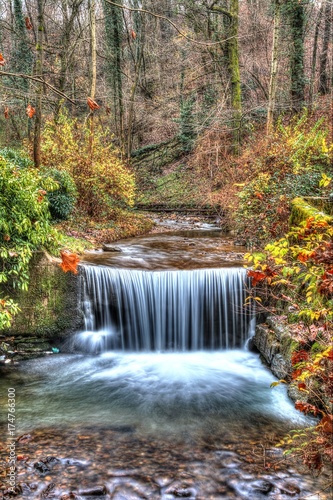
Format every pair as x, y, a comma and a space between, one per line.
93, 70
40, 88
113, 31
324, 85
233, 66
233, 52
274, 66
314, 55
296, 16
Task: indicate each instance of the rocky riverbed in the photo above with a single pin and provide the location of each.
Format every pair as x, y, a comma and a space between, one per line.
116, 463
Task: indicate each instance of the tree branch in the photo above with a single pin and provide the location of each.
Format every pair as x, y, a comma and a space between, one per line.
160, 16
37, 80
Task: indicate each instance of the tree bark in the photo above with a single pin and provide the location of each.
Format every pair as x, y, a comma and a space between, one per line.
274, 66
40, 87
93, 70
324, 85
314, 55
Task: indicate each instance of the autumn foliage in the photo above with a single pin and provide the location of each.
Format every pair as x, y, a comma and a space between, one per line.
69, 262
298, 270
104, 184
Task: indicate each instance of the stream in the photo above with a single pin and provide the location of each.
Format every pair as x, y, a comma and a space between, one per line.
154, 420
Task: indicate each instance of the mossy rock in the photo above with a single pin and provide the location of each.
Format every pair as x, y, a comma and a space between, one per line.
301, 210
51, 306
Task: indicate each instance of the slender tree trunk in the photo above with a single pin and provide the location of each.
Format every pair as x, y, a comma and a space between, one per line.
114, 31
233, 52
40, 89
296, 16
93, 70
233, 66
314, 55
324, 85
139, 26
274, 66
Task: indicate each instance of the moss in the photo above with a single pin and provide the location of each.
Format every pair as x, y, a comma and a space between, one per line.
288, 345
301, 210
50, 306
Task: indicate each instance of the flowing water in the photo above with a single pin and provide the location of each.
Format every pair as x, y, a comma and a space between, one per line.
159, 398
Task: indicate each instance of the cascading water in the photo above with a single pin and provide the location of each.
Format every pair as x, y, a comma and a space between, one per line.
167, 310
172, 405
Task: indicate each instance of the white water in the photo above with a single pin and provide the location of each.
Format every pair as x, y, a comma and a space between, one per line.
166, 310
168, 393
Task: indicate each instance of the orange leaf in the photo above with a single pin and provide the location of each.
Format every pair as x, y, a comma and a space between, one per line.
303, 257
6, 237
31, 111
6, 112
256, 276
28, 24
92, 104
326, 424
299, 356
2, 60
69, 262
133, 35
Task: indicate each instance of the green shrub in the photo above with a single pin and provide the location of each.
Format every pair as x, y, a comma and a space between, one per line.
18, 158
24, 227
61, 200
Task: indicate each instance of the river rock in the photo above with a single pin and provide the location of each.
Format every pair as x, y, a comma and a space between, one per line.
97, 491
111, 248
280, 367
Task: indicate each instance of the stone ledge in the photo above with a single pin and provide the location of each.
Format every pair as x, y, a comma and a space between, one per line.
275, 344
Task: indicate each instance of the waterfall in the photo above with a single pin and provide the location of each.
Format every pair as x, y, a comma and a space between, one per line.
166, 310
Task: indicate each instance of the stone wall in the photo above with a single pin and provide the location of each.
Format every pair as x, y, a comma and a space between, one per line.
50, 309
276, 345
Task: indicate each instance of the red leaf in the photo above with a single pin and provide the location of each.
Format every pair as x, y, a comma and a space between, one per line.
69, 262
2, 60
92, 104
303, 257
31, 111
28, 24
296, 373
306, 408
299, 356
326, 424
302, 386
256, 276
